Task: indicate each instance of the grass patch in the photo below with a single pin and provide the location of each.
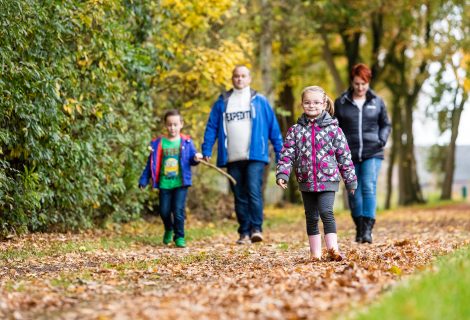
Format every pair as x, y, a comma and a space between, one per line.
32, 250
136, 233
430, 204
195, 257
443, 294
14, 286
283, 246
275, 217
132, 265
62, 282
210, 230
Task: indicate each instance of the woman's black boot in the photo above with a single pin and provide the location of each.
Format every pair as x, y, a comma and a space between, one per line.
368, 225
359, 228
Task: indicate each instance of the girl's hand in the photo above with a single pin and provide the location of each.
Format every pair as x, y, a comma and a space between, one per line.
282, 183
197, 157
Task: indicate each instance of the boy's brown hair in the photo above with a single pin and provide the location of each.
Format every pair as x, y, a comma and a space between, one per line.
172, 112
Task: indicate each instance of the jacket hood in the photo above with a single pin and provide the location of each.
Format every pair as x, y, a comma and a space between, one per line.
224, 96
182, 136
370, 94
323, 120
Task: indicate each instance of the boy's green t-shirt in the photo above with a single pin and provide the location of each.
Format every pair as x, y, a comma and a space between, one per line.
170, 173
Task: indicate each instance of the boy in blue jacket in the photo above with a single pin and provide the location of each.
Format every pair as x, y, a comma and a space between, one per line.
169, 167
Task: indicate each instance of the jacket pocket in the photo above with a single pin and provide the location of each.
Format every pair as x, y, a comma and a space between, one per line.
328, 166
301, 170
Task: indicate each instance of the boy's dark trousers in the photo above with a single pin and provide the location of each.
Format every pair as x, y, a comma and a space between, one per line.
172, 209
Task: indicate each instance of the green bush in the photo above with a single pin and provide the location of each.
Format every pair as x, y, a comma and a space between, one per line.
83, 85
75, 113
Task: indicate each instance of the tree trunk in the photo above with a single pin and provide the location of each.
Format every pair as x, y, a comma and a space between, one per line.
351, 46
399, 84
265, 60
377, 36
328, 56
286, 100
410, 189
409, 182
449, 167
396, 122
265, 51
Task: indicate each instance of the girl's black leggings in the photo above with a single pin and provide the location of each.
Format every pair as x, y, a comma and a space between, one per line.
319, 204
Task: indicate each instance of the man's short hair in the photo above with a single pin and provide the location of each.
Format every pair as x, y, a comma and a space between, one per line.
241, 66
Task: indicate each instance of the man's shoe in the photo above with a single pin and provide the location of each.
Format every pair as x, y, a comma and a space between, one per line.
167, 237
180, 242
244, 239
257, 236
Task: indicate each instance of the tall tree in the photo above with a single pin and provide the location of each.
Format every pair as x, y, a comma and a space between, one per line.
451, 85
266, 50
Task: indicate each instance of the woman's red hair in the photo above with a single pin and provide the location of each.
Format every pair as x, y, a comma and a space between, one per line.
362, 71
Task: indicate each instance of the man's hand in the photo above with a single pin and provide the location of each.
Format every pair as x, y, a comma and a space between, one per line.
207, 158
141, 187
351, 192
197, 157
282, 183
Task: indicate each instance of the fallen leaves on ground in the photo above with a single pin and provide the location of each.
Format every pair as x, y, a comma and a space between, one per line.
216, 279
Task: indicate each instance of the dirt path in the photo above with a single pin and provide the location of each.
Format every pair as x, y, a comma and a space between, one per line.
215, 279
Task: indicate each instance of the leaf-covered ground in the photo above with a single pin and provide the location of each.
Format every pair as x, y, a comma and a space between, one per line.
128, 274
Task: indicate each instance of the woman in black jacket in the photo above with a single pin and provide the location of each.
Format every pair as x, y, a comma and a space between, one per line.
363, 118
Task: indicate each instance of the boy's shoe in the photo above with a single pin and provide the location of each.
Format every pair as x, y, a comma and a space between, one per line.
167, 237
257, 236
180, 242
244, 239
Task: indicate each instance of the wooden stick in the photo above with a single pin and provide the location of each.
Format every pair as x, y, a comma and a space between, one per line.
204, 162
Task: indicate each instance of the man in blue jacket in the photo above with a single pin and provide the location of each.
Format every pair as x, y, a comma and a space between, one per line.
243, 121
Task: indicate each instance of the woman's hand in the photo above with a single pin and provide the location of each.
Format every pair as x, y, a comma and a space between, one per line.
282, 183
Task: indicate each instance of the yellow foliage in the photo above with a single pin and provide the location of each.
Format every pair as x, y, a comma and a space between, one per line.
199, 63
216, 65
465, 62
466, 84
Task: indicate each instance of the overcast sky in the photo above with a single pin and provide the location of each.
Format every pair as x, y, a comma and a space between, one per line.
425, 130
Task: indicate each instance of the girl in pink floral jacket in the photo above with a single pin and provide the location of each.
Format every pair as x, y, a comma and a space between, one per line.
316, 149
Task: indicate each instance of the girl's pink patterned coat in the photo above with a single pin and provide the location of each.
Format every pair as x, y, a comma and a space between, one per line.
318, 152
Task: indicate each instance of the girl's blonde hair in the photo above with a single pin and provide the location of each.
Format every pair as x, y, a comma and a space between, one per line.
330, 107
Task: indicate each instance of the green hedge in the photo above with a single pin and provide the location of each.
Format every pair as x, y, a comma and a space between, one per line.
75, 111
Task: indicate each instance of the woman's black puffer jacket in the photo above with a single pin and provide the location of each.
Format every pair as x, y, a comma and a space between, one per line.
366, 131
